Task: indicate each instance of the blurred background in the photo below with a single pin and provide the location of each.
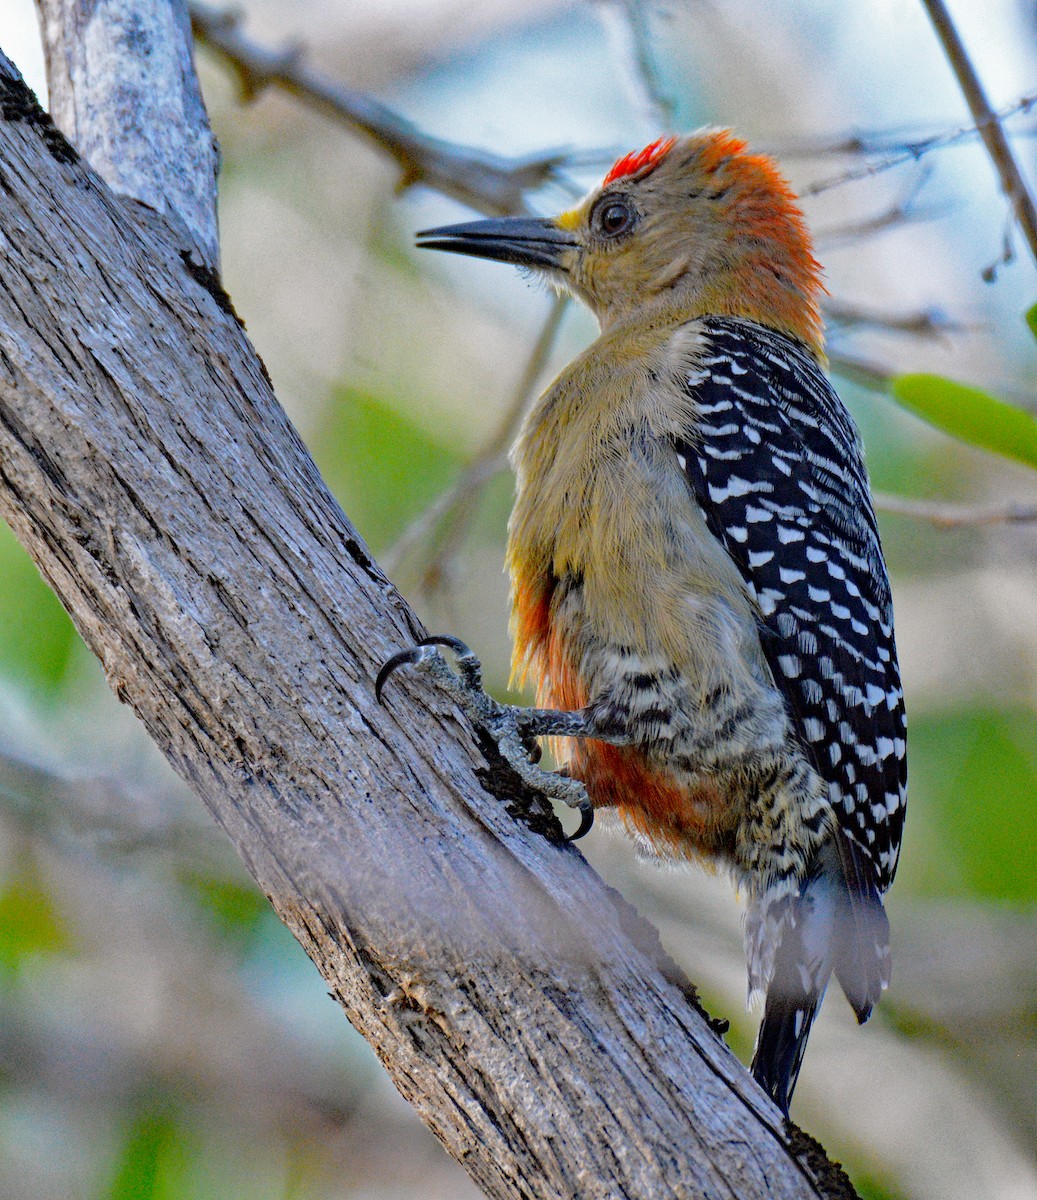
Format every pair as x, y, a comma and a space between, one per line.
161, 1035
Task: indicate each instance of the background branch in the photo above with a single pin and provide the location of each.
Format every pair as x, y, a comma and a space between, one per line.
487, 182
453, 509
638, 17
910, 150
953, 516
922, 323
990, 128
900, 139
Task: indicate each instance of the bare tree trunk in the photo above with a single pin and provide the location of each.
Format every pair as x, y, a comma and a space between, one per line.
518, 1003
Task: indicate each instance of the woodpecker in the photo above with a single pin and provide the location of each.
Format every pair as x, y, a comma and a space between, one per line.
698, 586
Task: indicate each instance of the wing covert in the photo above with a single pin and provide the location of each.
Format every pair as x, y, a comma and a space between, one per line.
776, 465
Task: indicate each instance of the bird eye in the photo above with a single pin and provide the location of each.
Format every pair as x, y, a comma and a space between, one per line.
615, 215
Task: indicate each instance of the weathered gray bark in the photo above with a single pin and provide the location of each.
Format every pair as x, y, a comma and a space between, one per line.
124, 91
516, 1001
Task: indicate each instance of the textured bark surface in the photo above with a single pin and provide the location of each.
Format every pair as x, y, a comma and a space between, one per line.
521, 1005
124, 91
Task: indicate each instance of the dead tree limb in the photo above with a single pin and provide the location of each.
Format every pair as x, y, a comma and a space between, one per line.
124, 91
520, 1005
487, 182
990, 129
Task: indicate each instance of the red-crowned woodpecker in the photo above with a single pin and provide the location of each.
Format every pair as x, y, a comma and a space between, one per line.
698, 588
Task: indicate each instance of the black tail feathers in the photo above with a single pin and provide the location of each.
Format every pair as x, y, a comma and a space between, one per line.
782, 1042
835, 923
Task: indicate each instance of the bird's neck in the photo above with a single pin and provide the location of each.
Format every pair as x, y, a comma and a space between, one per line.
763, 271
781, 292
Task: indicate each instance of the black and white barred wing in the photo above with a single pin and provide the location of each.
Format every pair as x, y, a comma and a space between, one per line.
777, 468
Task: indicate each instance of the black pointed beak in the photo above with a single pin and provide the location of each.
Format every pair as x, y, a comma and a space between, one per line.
525, 241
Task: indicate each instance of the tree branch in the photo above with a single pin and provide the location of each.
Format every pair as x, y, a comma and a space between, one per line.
525, 1010
990, 130
639, 25
453, 508
486, 182
140, 123
920, 323
902, 151
903, 139
947, 515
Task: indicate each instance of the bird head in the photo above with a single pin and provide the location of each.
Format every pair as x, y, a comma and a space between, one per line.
688, 227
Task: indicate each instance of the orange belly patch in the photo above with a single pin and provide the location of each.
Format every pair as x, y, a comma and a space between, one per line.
682, 819
685, 816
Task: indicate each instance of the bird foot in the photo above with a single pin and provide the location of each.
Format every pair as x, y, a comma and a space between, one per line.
512, 728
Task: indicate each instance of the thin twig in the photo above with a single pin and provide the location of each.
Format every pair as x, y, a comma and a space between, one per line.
913, 151
923, 323
452, 510
865, 374
990, 130
639, 24
489, 183
899, 212
857, 231
879, 378
954, 516
907, 139
467, 485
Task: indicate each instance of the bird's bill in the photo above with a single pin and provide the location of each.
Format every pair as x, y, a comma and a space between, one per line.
524, 241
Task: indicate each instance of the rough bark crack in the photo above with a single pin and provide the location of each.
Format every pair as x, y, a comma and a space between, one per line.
18, 103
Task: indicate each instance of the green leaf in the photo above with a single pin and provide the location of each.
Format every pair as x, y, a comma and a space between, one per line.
29, 922
970, 415
1031, 319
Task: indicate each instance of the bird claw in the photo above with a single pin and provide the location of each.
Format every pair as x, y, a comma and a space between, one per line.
586, 810
426, 652
507, 724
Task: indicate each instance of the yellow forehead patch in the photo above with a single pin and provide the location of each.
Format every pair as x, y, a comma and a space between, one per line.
570, 219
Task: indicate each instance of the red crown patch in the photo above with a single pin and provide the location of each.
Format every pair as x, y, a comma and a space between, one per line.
641, 160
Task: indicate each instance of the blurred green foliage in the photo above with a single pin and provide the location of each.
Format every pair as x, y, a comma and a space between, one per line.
972, 830
382, 465
167, 1153
870, 1188
969, 414
153, 1163
234, 908
30, 924
36, 634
